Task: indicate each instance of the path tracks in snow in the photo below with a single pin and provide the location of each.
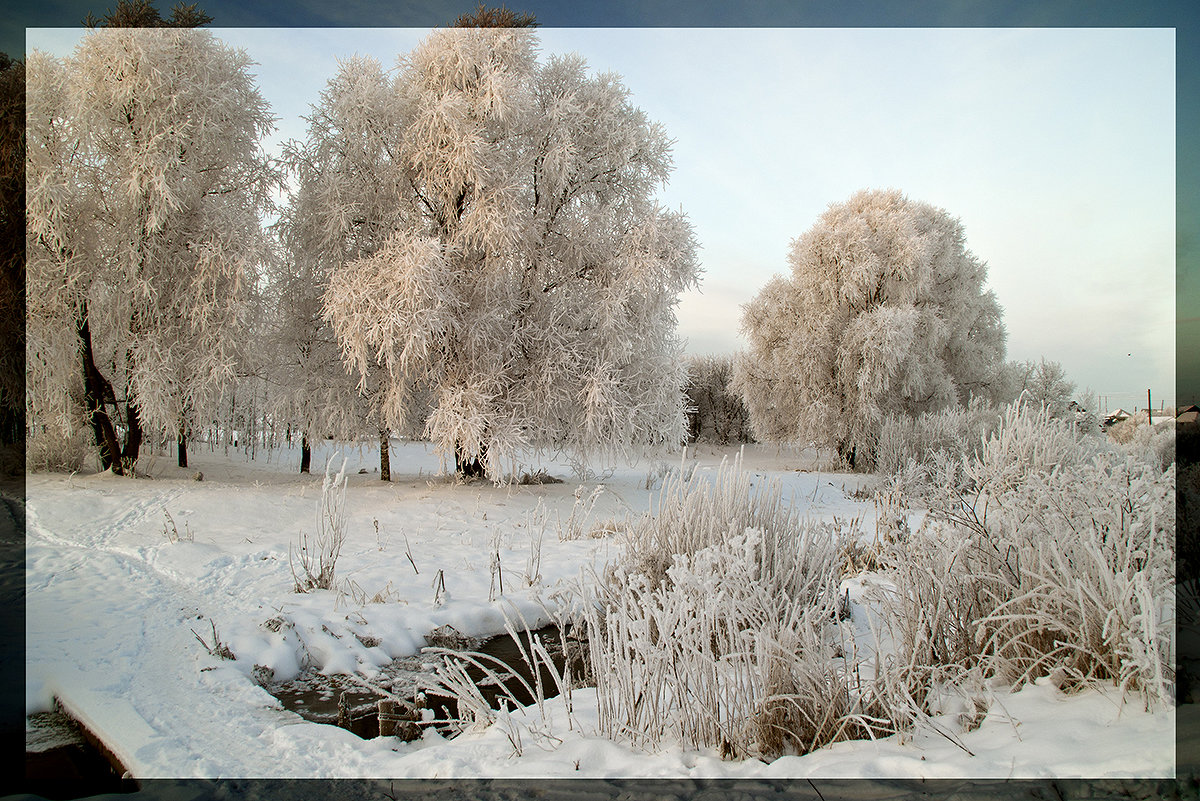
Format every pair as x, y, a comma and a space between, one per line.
109, 631
141, 506
114, 640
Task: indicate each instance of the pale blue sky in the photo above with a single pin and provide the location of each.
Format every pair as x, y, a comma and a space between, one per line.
1055, 147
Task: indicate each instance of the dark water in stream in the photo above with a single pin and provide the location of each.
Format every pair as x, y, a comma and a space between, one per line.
344, 701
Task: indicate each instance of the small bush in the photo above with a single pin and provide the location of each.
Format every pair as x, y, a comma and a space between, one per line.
1121, 432
56, 450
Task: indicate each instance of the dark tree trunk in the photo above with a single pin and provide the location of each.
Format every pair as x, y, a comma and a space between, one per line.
469, 466
133, 439
305, 454
182, 449
12, 426
847, 453
96, 391
385, 456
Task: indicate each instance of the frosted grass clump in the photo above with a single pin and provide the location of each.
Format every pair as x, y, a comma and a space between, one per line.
921, 452
1056, 558
718, 630
693, 514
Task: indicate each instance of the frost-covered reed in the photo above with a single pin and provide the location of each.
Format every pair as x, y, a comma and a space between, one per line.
318, 559
1054, 558
916, 451
718, 630
1050, 553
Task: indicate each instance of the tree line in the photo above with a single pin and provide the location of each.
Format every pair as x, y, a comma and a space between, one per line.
469, 250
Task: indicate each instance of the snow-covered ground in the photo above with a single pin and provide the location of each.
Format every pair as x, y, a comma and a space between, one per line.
116, 603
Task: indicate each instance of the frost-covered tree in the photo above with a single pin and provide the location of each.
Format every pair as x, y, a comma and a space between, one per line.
716, 411
347, 198
145, 186
509, 279
885, 312
313, 390
1044, 383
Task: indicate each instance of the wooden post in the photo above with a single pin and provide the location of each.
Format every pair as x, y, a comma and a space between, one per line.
1149, 410
387, 717
343, 718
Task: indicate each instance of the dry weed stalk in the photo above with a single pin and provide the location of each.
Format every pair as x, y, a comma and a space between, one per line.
318, 559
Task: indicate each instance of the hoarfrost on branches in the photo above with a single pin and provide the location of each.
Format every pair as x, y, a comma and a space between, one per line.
510, 281
716, 411
1044, 383
884, 313
145, 187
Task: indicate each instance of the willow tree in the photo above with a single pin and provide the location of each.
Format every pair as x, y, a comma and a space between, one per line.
885, 312
344, 204
516, 284
146, 182
312, 389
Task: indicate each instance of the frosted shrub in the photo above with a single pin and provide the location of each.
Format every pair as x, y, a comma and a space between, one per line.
1122, 431
1155, 444
318, 558
1057, 558
718, 628
924, 453
55, 450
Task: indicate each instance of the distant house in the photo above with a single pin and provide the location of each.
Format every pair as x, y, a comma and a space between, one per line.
1188, 414
1116, 417
1082, 419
